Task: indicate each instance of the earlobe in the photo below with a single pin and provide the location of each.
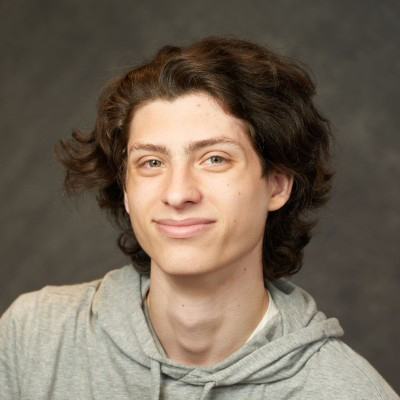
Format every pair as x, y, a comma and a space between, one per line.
281, 187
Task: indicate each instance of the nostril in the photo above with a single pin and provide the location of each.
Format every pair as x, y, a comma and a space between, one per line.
179, 199
181, 190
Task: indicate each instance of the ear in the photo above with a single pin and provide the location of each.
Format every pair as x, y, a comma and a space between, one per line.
126, 202
281, 187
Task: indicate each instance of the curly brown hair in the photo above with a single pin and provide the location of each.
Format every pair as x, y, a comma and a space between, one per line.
270, 93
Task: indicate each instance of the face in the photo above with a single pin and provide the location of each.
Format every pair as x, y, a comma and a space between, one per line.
194, 187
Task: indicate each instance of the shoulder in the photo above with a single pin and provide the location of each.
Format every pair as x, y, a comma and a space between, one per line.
44, 311
53, 306
36, 323
50, 325
51, 300
341, 371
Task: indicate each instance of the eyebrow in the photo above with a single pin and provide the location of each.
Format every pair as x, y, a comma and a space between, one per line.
192, 147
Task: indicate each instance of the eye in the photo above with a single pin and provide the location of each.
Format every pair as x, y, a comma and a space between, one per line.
151, 164
216, 160
217, 163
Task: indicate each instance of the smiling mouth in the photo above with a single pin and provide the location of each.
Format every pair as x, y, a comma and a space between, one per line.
183, 229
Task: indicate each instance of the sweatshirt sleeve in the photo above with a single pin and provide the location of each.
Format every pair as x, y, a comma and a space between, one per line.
15, 336
351, 371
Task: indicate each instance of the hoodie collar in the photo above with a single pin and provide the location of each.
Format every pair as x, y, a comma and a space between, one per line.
278, 351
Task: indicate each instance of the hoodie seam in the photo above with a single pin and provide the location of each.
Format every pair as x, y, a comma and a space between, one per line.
335, 346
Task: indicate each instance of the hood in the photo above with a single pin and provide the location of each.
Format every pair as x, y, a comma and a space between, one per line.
277, 352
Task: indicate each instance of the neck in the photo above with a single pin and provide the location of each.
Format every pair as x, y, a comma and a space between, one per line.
201, 320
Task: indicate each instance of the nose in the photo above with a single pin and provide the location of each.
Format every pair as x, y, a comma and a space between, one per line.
181, 188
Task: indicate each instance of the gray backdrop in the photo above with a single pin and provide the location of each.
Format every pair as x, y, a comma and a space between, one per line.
56, 55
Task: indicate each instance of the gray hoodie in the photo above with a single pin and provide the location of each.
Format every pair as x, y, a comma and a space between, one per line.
93, 341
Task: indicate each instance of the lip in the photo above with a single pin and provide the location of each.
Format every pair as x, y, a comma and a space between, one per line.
184, 228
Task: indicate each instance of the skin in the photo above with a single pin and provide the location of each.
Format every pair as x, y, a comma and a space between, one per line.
188, 158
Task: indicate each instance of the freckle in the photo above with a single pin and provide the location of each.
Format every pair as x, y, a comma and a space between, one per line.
183, 305
244, 269
239, 193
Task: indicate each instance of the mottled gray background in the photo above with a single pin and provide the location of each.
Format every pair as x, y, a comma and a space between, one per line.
55, 56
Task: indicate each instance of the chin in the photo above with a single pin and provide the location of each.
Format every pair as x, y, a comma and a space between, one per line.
188, 264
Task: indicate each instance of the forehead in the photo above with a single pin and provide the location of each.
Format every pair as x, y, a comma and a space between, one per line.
188, 118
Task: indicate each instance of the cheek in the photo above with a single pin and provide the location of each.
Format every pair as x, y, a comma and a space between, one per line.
243, 204
138, 206
138, 200
140, 193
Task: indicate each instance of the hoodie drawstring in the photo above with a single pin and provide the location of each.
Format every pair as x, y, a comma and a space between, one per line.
206, 390
155, 380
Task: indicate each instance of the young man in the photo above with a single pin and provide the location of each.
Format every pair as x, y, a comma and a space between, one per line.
210, 158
